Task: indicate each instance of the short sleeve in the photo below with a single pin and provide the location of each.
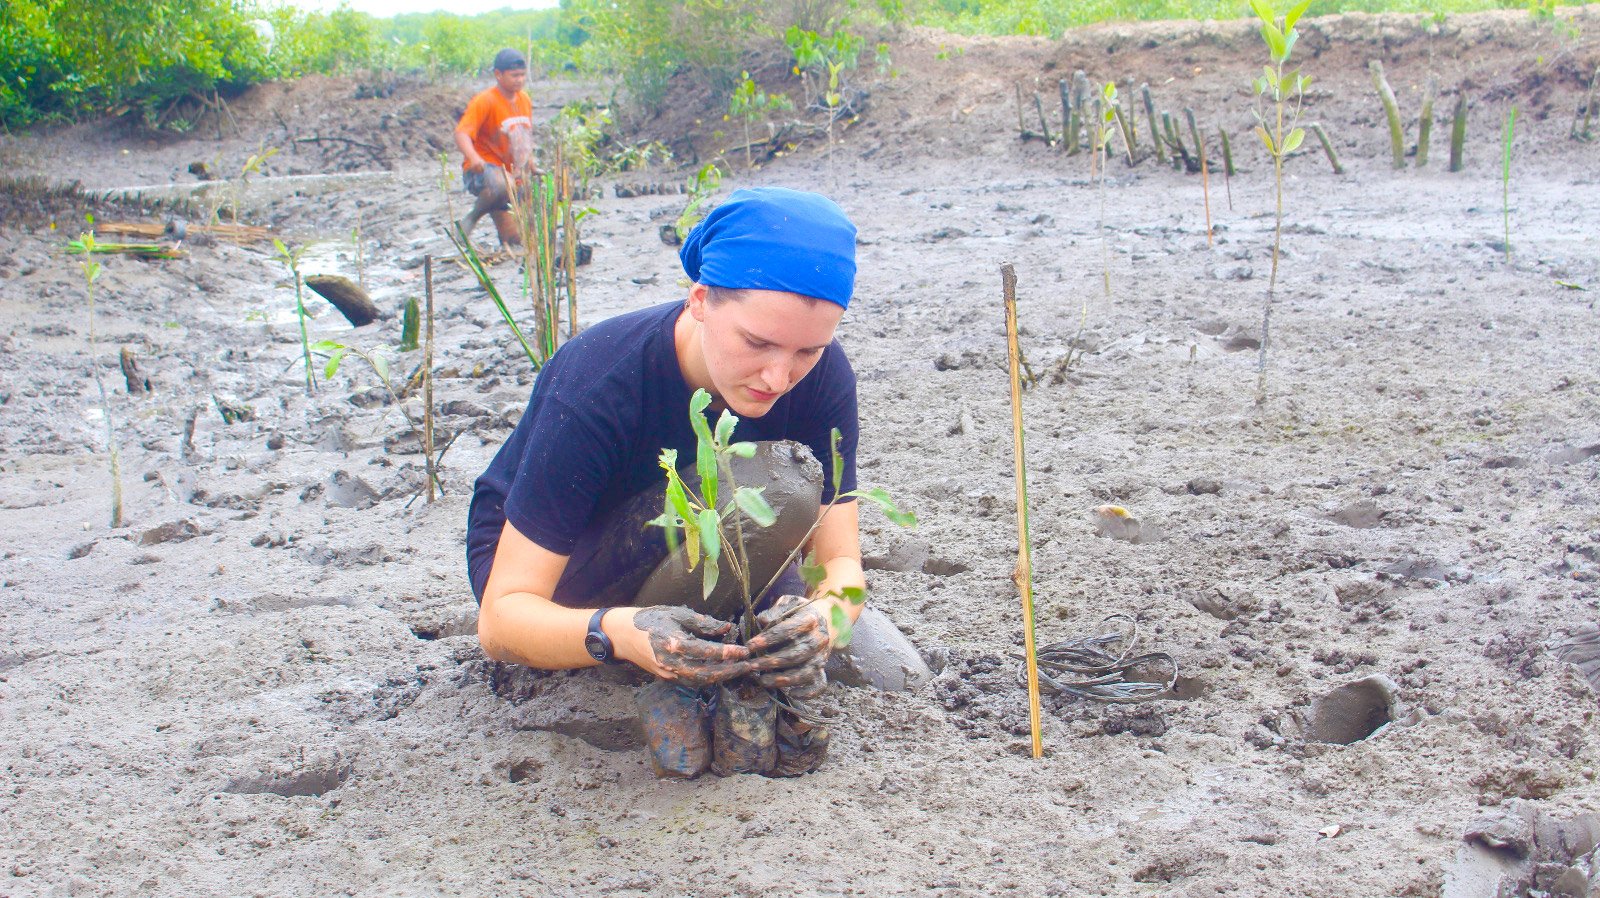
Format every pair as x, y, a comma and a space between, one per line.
472, 119
834, 406
567, 463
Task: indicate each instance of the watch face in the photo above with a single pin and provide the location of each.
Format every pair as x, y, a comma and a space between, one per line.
598, 649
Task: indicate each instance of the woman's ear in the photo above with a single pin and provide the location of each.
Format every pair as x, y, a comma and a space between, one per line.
698, 295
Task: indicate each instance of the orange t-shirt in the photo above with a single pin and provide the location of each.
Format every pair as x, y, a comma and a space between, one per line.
490, 118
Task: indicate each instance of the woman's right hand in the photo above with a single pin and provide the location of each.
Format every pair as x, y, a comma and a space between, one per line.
677, 644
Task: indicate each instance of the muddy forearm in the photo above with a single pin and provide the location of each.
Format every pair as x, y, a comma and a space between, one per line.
842, 573
470, 152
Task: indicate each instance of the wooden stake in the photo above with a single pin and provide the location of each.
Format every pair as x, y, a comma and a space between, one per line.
1024, 573
1425, 127
1327, 147
1397, 131
1458, 132
1205, 177
427, 377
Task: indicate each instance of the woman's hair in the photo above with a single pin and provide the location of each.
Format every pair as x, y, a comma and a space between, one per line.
718, 295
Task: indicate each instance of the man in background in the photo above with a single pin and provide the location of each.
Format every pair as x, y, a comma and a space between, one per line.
495, 136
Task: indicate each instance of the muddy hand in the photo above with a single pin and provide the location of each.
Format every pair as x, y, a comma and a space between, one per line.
792, 647
686, 648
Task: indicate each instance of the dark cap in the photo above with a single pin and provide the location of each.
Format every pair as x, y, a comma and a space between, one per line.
509, 60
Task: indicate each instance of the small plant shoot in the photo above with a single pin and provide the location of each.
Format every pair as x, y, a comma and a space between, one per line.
1280, 93
291, 260
91, 273
710, 523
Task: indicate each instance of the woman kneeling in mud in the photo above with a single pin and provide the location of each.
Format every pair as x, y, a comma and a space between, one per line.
556, 533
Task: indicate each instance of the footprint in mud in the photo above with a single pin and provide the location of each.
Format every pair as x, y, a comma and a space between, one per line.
312, 780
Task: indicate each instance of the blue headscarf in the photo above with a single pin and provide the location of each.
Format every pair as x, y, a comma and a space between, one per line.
774, 238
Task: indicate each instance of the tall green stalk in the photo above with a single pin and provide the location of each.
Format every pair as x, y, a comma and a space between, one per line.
291, 259
1286, 92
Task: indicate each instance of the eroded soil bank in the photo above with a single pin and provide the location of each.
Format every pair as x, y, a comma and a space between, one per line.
267, 681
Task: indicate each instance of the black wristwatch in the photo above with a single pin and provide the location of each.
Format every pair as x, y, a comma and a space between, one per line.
596, 642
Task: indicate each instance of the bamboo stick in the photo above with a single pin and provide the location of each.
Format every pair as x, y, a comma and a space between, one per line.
1327, 147
1458, 132
1155, 131
1024, 572
1425, 126
1123, 129
1391, 109
427, 377
1205, 178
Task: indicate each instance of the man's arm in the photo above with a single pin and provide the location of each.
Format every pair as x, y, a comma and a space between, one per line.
468, 151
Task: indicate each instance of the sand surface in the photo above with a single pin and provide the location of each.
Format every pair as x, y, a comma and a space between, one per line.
267, 681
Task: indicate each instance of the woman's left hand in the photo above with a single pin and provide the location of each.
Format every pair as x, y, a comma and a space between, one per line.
791, 649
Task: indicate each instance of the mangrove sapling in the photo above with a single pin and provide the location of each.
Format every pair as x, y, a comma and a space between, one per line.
1425, 125
1285, 92
1458, 132
335, 353
702, 184
750, 104
427, 379
1155, 130
1583, 133
1205, 175
91, 273
1327, 147
1505, 174
709, 523
1391, 111
1105, 123
291, 260
256, 164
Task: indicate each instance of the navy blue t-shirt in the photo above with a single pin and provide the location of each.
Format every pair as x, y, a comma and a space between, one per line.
602, 410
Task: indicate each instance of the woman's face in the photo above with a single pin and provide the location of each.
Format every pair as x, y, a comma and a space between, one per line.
759, 345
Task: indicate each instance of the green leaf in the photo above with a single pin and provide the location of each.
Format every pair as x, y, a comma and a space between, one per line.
752, 503
334, 358
708, 578
839, 623
706, 464
743, 450
1294, 14
725, 425
1267, 139
677, 499
697, 414
1263, 10
1292, 142
1288, 42
381, 366
838, 460
855, 595
891, 511
669, 460
710, 527
1274, 39
1270, 74
812, 573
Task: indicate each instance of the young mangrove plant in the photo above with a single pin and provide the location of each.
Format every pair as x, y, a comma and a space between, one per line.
334, 354
702, 184
710, 522
91, 273
1277, 126
750, 104
291, 260
474, 263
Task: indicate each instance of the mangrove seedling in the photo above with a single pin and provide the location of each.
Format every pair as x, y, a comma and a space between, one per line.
334, 354
474, 263
91, 273
255, 165
702, 185
709, 523
409, 325
291, 260
750, 104
1284, 92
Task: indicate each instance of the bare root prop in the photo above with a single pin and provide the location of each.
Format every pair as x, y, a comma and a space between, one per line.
1099, 675
1458, 132
1327, 147
1397, 133
1024, 573
1425, 126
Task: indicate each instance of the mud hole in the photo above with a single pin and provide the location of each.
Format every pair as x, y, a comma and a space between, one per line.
268, 681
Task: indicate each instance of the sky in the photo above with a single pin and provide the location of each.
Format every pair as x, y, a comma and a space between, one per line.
396, 7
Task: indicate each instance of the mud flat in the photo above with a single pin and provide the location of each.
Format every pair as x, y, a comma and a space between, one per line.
268, 682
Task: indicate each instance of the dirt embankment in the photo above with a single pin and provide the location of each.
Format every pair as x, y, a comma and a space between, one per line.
267, 680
